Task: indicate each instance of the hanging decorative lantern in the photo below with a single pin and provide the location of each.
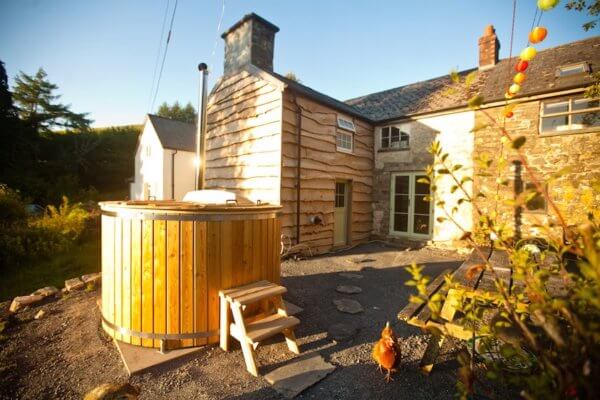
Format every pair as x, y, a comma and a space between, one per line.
546, 5
528, 53
519, 78
514, 88
508, 95
521, 66
508, 114
537, 34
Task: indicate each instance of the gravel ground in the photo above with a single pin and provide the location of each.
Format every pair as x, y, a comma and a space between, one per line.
65, 354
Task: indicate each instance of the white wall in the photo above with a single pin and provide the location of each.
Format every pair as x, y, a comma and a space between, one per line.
184, 173
149, 158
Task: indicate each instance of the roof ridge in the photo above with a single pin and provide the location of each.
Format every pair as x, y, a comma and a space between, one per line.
169, 119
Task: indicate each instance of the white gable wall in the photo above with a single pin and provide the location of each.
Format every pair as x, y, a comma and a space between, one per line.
178, 164
149, 166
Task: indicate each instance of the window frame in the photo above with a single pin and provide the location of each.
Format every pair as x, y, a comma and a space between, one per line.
569, 113
401, 134
561, 69
350, 127
344, 149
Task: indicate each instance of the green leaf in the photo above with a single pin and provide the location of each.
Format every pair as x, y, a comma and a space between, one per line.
423, 180
454, 76
475, 102
518, 142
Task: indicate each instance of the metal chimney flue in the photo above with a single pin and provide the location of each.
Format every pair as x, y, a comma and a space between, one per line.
201, 129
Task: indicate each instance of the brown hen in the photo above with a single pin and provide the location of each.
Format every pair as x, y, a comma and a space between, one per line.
386, 352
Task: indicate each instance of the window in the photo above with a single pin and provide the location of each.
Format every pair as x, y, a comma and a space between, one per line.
340, 194
148, 151
346, 124
569, 114
343, 142
573, 69
393, 138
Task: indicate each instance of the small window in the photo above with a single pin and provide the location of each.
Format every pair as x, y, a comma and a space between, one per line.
148, 151
569, 114
346, 124
343, 141
573, 69
393, 138
340, 194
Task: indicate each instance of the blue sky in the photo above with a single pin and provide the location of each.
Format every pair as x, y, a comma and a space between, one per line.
102, 53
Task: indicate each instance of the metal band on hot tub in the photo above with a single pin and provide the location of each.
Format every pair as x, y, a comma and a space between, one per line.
158, 336
216, 216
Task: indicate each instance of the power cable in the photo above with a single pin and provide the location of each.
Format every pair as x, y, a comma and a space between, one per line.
162, 66
158, 52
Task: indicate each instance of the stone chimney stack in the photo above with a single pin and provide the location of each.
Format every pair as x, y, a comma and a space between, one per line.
250, 41
489, 47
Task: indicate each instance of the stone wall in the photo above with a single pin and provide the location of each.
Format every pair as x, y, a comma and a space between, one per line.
546, 154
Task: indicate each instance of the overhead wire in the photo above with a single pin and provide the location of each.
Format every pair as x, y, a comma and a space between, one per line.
158, 52
162, 66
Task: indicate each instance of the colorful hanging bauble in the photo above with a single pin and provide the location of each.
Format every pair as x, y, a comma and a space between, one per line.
519, 78
514, 88
528, 53
521, 66
508, 95
537, 34
546, 5
508, 114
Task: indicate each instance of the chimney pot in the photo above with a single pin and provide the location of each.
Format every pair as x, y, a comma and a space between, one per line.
489, 48
249, 41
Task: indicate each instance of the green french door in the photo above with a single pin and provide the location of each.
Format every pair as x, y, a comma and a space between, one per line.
410, 214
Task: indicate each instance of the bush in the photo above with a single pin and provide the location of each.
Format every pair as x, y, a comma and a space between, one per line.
68, 220
12, 207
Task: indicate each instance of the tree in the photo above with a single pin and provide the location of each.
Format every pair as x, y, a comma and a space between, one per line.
292, 77
38, 106
592, 8
176, 112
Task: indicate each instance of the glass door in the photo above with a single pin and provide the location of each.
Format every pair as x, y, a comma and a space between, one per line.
410, 213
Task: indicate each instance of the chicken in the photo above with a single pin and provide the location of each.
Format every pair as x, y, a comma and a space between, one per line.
387, 352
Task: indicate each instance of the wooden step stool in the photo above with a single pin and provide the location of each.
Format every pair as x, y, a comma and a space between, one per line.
252, 330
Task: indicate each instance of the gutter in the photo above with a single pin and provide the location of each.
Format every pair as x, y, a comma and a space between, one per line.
173, 174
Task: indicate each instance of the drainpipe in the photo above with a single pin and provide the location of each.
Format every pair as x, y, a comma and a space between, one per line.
298, 165
201, 132
173, 174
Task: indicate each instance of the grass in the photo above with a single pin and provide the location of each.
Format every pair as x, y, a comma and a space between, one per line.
82, 259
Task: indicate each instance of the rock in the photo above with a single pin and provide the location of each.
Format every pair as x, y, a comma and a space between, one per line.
341, 332
113, 391
348, 306
348, 289
350, 275
24, 301
46, 291
91, 278
39, 314
303, 372
74, 284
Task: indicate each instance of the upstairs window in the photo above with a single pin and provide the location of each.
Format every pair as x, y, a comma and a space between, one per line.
393, 138
346, 124
569, 114
343, 141
572, 69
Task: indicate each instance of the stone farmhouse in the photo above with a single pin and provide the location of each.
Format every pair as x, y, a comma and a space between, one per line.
348, 171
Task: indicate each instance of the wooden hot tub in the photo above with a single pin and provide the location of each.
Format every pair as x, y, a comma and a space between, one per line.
158, 287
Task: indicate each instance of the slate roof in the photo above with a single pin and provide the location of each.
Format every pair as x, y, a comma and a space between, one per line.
432, 95
173, 134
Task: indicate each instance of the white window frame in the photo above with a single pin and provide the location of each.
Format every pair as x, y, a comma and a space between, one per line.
346, 124
402, 134
584, 66
341, 134
411, 190
569, 113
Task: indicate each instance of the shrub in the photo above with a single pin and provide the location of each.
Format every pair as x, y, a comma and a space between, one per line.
68, 220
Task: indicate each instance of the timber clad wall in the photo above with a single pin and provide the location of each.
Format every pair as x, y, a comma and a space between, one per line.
243, 147
321, 166
573, 192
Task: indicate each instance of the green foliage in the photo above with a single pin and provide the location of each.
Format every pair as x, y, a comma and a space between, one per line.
549, 319
177, 112
38, 106
68, 219
292, 77
590, 7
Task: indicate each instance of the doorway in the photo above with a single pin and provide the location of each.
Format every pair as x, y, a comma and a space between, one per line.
410, 213
341, 211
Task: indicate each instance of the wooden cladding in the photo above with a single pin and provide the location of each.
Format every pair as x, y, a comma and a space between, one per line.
163, 277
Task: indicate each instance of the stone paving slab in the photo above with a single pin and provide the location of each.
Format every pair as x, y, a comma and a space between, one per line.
138, 359
348, 289
300, 374
348, 306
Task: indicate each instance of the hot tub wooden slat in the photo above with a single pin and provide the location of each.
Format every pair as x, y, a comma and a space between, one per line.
126, 289
173, 280
136, 279
201, 311
213, 272
159, 269
118, 275
248, 274
147, 281
187, 280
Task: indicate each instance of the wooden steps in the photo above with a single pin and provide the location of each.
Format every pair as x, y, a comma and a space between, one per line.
272, 318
